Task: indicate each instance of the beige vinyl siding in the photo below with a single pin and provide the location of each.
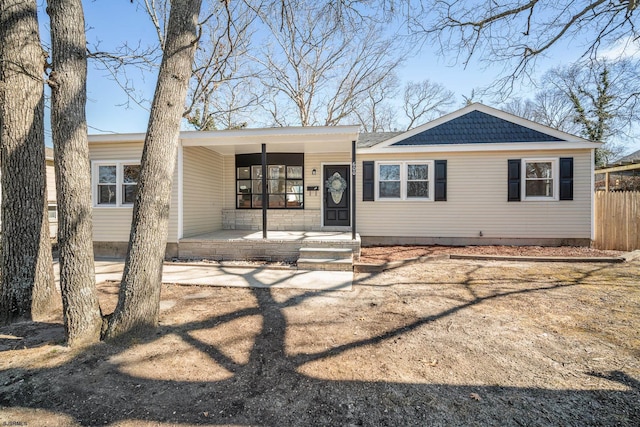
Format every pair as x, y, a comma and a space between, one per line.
229, 180
312, 199
477, 201
203, 186
113, 224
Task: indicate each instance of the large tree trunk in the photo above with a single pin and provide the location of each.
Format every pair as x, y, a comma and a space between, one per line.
82, 316
139, 298
27, 289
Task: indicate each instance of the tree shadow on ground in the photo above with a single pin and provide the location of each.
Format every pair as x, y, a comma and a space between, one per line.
268, 388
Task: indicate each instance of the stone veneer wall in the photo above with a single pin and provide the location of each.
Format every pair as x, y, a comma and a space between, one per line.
277, 220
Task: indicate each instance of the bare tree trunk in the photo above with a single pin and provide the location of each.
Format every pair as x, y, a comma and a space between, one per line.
139, 298
81, 310
27, 289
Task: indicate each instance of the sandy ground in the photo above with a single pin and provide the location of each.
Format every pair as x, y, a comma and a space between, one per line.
441, 343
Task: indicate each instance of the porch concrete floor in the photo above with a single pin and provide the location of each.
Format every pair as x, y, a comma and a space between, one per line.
305, 236
241, 276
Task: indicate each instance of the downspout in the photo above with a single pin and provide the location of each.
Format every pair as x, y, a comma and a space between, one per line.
264, 191
353, 190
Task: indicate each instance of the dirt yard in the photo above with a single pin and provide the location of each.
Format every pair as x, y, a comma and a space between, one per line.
440, 343
382, 254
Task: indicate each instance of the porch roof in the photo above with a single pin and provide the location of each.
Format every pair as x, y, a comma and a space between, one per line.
316, 139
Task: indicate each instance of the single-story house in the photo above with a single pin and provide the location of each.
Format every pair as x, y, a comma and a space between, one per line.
475, 176
51, 193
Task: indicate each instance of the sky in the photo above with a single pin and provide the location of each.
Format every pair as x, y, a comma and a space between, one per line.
111, 23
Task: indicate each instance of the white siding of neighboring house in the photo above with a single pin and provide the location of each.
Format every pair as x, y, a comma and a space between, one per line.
202, 190
113, 224
51, 182
477, 201
51, 196
51, 192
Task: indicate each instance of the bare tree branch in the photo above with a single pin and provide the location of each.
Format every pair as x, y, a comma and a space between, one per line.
425, 100
517, 33
320, 66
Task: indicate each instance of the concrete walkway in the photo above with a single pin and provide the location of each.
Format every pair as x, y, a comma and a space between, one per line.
234, 276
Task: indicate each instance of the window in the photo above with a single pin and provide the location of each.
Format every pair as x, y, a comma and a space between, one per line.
130, 174
116, 183
405, 180
53, 213
285, 185
389, 184
107, 184
540, 181
417, 181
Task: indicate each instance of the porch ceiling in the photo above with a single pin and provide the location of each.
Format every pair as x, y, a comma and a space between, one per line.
290, 139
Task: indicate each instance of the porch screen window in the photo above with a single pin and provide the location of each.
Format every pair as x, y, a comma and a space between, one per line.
285, 185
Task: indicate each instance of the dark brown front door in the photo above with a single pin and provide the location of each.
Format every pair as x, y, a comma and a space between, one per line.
336, 195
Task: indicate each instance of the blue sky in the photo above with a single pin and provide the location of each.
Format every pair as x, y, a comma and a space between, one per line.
114, 22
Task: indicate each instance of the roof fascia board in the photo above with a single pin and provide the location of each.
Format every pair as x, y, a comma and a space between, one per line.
117, 137
245, 136
459, 148
298, 131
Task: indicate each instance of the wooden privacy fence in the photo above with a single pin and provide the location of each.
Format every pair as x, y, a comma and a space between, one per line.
617, 220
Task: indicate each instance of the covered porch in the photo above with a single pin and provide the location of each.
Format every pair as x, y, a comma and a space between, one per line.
267, 179
277, 246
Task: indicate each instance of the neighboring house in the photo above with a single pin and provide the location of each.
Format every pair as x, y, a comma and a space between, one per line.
621, 175
51, 193
475, 176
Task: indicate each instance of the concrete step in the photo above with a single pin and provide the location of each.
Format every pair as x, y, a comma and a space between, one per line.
324, 253
329, 264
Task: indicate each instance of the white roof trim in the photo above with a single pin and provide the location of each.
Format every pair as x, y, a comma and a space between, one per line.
503, 146
247, 136
281, 135
275, 131
117, 137
487, 110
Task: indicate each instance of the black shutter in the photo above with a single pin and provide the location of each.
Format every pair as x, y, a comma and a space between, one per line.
368, 181
566, 178
514, 180
441, 181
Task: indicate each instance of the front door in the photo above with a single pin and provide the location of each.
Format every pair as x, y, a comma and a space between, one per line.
336, 195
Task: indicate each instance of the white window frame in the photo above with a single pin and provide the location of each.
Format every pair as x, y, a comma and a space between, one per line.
55, 211
119, 164
403, 180
555, 177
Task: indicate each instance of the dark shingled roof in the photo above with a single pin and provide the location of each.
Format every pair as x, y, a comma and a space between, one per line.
369, 139
476, 127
